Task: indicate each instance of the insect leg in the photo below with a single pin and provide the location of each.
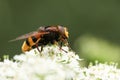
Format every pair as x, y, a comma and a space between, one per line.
68, 45
61, 47
39, 49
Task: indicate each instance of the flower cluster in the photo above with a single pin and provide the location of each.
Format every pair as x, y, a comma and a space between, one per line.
54, 64
101, 72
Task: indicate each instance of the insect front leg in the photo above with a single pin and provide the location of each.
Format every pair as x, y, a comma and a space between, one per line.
61, 43
68, 45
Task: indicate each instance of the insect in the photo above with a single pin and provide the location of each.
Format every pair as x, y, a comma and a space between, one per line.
43, 36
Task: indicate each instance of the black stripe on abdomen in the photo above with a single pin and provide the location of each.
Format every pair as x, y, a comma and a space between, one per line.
27, 42
34, 38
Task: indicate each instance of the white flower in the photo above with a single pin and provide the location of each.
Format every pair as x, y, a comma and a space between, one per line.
54, 64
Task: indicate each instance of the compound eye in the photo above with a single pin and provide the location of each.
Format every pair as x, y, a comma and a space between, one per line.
34, 38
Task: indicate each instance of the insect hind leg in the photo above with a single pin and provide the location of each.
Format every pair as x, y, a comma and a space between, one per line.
39, 50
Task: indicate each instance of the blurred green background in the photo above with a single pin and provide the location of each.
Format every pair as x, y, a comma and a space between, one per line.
93, 25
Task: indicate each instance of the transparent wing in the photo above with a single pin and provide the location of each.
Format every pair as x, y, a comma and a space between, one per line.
25, 36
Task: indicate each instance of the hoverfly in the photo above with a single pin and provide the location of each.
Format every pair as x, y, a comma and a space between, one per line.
43, 36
